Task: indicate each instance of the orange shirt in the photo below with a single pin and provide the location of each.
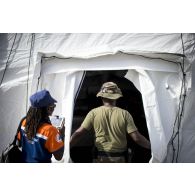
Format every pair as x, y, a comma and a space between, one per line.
46, 141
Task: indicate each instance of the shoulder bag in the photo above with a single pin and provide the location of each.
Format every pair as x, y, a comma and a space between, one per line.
12, 153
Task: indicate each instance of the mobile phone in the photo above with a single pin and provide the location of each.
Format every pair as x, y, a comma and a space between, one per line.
57, 121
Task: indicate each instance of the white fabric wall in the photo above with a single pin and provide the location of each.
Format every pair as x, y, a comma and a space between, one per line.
187, 131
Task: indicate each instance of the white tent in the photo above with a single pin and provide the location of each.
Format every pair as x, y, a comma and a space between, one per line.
161, 66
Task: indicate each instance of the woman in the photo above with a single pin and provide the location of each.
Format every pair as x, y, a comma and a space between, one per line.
38, 138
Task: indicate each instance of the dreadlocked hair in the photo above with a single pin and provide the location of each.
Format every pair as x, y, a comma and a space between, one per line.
34, 118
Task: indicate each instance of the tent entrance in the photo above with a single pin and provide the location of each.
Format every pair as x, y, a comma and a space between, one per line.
156, 79
87, 100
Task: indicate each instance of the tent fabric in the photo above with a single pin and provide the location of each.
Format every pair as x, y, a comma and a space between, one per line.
64, 87
155, 89
26, 60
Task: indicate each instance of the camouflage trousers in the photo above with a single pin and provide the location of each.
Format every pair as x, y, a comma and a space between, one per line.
109, 159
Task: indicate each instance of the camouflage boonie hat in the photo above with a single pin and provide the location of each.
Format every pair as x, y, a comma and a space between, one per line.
110, 90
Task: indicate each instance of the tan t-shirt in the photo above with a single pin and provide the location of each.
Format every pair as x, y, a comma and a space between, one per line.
110, 125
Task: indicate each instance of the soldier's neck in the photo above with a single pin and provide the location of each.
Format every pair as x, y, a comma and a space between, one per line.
109, 104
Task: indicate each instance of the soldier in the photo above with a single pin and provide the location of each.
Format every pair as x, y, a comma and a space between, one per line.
111, 124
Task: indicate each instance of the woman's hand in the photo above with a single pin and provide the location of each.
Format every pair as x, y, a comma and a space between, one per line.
62, 131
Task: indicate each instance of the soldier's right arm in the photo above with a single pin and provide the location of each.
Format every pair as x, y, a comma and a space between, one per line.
86, 125
77, 135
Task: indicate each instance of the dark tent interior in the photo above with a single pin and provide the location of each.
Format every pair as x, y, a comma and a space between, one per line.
86, 100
